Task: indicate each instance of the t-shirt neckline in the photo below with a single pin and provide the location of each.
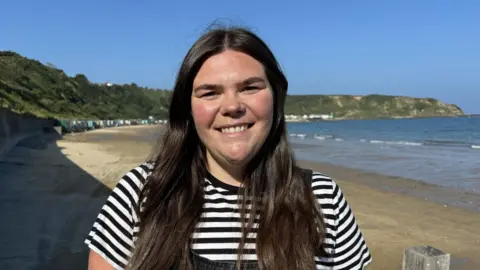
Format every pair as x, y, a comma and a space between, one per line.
218, 183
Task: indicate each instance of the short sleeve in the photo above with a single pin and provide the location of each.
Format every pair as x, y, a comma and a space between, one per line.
113, 232
350, 248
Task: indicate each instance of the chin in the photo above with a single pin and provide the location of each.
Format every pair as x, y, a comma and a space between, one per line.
238, 159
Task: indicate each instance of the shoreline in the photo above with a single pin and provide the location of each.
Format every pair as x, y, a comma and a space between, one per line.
392, 212
446, 196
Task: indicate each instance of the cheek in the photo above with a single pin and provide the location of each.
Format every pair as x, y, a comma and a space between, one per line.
203, 115
263, 104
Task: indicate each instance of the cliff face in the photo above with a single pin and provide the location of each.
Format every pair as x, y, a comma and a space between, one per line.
371, 106
28, 86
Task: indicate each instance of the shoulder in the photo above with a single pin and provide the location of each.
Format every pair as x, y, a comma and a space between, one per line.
325, 190
139, 173
113, 233
137, 176
323, 184
132, 182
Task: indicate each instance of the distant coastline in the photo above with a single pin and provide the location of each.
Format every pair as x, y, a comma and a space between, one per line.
377, 118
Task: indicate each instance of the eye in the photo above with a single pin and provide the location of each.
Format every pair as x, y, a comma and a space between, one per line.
209, 94
251, 88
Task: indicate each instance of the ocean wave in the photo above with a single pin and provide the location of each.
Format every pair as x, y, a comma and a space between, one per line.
393, 142
428, 143
300, 135
323, 137
431, 143
446, 143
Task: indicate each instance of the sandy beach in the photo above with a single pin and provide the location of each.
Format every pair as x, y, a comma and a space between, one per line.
80, 169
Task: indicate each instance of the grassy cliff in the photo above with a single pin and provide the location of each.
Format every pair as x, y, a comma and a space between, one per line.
28, 86
370, 106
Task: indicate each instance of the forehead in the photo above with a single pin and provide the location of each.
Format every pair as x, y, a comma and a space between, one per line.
229, 67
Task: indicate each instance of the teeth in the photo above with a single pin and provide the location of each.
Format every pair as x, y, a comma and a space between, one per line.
234, 129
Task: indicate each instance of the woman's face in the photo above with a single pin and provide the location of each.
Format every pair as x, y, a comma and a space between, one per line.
232, 107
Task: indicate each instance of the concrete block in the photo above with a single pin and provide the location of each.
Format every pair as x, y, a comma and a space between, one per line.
425, 258
58, 129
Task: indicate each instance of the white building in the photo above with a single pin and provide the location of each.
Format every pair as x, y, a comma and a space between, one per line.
307, 117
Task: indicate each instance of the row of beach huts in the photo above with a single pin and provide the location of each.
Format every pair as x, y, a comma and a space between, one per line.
73, 126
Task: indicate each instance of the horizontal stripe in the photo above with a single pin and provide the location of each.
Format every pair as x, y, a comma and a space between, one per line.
229, 257
212, 250
219, 224
210, 218
227, 215
221, 236
211, 191
225, 200
221, 247
209, 208
217, 227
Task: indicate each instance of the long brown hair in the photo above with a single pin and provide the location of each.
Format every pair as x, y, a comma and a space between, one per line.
291, 229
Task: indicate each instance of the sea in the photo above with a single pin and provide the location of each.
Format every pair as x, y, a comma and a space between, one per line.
443, 151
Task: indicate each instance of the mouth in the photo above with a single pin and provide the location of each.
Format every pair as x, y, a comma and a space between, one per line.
235, 129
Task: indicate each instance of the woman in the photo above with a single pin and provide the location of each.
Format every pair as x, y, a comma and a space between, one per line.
223, 156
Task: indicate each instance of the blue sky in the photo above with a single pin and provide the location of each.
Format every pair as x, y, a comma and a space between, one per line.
414, 48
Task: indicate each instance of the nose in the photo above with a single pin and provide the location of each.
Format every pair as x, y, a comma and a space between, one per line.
232, 106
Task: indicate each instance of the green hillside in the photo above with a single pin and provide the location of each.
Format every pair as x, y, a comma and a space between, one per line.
28, 86
370, 106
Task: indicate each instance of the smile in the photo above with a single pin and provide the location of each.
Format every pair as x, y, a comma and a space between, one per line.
235, 129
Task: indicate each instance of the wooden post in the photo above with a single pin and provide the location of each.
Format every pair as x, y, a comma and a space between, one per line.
425, 258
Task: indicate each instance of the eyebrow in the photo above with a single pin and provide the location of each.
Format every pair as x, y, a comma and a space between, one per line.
251, 80
208, 86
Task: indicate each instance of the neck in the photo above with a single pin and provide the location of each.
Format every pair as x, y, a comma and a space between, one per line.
227, 173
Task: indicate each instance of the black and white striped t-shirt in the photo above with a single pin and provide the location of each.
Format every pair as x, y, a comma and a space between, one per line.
115, 230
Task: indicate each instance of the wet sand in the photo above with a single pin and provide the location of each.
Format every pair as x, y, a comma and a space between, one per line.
392, 221
51, 194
